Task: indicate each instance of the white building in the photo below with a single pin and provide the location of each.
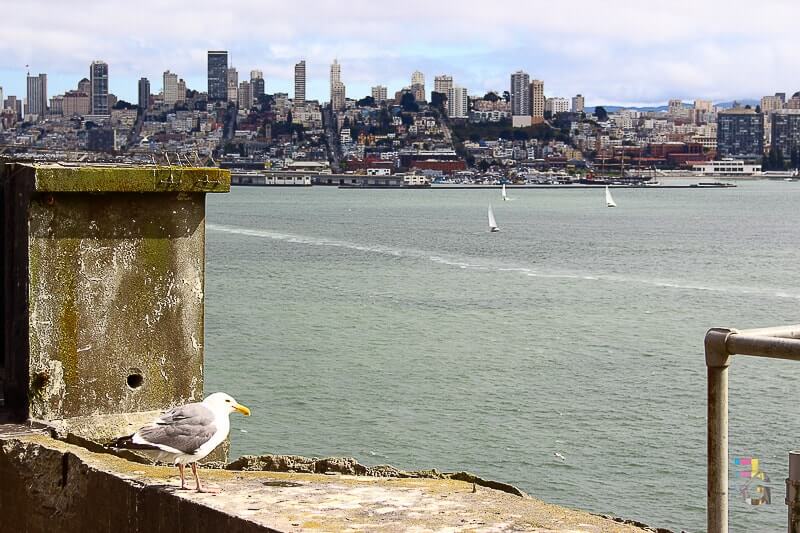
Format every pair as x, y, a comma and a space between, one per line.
233, 84
457, 102
379, 93
442, 83
557, 105
170, 88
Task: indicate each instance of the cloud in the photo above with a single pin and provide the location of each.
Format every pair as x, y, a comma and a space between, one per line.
618, 51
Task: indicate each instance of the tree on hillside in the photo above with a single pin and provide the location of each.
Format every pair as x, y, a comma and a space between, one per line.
438, 100
409, 103
491, 96
367, 101
600, 113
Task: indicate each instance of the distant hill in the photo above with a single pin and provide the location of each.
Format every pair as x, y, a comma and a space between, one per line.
650, 109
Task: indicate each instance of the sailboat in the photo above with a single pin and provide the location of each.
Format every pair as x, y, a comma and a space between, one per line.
609, 200
505, 196
492, 222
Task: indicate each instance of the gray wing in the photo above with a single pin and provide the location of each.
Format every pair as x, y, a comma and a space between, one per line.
184, 428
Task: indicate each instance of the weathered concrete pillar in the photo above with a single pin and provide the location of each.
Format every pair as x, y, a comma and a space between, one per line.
103, 278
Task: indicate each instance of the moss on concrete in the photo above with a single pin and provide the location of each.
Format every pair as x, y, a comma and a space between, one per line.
56, 178
56, 483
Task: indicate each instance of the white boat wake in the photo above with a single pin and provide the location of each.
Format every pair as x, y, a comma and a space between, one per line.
480, 264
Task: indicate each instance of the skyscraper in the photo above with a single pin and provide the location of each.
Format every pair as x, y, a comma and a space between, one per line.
37, 95
217, 77
418, 86
379, 93
257, 83
232, 77
144, 94
337, 87
577, 103
300, 82
457, 102
520, 94
740, 133
98, 77
537, 101
1, 99
442, 83
245, 95
170, 88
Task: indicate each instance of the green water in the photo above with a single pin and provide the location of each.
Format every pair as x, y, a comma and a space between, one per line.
390, 325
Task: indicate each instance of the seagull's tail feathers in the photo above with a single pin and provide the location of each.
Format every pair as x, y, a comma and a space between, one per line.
128, 444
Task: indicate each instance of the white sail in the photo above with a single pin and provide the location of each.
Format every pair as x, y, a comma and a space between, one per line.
609, 200
492, 221
505, 196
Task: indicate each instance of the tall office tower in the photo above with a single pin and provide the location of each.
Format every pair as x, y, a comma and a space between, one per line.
537, 101
577, 103
520, 94
98, 76
217, 75
2, 102
675, 108
257, 83
245, 95
457, 102
379, 93
740, 133
144, 95
418, 86
181, 91
232, 77
785, 134
300, 82
770, 104
37, 95
337, 87
85, 87
442, 83
170, 88
57, 105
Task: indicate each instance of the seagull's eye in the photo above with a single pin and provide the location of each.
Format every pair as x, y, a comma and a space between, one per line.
228, 401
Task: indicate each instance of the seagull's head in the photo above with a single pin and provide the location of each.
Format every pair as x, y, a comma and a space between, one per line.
221, 402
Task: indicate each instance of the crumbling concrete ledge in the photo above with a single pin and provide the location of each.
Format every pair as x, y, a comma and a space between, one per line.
50, 485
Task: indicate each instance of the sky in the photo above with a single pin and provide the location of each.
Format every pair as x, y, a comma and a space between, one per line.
616, 52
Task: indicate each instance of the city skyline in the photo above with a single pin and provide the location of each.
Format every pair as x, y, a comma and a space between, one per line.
633, 55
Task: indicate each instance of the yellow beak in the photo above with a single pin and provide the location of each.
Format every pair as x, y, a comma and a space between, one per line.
242, 409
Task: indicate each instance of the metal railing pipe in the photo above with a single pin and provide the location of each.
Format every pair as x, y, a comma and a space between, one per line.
717, 361
774, 347
720, 344
793, 492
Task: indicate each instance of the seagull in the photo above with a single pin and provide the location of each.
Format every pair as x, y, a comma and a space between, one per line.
186, 433
557, 455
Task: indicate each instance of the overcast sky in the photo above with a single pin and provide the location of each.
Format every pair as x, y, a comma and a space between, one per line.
613, 52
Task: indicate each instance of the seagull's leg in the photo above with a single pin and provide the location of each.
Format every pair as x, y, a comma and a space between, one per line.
197, 480
196, 477
183, 479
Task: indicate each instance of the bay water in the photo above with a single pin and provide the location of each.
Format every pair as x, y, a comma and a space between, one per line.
391, 326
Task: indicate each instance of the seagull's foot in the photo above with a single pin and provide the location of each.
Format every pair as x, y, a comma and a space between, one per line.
184, 487
209, 490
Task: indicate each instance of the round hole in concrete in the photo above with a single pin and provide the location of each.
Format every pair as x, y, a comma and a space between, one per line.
135, 380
